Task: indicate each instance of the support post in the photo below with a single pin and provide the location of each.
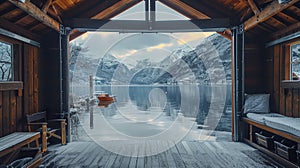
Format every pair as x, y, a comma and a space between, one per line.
237, 80
147, 10
65, 73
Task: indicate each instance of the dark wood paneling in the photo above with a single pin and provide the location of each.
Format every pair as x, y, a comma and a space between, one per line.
6, 113
1, 115
289, 103
285, 94
16, 102
13, 111
295, 101
35, 77
254, 78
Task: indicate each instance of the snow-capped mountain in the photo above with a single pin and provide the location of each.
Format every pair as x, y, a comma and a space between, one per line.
209, 62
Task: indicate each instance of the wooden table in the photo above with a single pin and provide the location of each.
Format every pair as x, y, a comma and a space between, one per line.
15, 141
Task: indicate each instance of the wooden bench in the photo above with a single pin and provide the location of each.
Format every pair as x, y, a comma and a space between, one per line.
38, 122
11, 144
252, 125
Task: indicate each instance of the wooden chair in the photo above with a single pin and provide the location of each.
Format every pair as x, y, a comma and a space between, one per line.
38, 122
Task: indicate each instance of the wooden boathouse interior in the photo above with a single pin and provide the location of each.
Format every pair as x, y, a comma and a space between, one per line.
261, 31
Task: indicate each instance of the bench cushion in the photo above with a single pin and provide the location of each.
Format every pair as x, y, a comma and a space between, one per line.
287, 124
261, 117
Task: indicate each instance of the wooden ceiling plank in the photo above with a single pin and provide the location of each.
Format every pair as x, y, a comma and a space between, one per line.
186, 8
294, 9
11, 14
46, 5
6, 8
287, 18
286, 30
35, 12
18, 30
276, 23
107, 12
254, 7
21, 19
267, 13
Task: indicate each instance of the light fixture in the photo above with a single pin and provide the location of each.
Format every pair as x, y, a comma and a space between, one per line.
283, 1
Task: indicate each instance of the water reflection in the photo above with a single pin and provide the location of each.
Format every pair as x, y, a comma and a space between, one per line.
155, 101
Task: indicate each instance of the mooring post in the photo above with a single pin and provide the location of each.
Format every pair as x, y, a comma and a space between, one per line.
91, 102
91, 87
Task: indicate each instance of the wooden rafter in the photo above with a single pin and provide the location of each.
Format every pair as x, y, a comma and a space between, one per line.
287, 29
189, 11
46, 6
18, 29
288, 18
117, 6
185, 8
253, 6
108, 13
267, 13
56, 12
35, 12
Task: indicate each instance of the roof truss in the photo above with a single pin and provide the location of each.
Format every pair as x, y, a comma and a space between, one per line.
267, 13
38, 14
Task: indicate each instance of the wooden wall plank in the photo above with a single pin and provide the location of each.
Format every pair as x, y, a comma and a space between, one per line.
1, 116
276, 90
295, 102
298, 114
281, 76
26, 80
13, 111
289, 103
30, 77
6, 113
19, 62
35, 81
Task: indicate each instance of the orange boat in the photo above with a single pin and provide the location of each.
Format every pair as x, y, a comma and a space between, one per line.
105, 97
104, 103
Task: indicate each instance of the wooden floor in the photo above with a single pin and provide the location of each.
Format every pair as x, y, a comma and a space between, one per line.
186, 154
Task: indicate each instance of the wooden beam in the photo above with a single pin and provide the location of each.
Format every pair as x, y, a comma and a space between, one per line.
15, 85
106, 13
132, 26
253, 6
188, 10
56, 12
35, 12
267, 13
46, 6
283, 39
18, 30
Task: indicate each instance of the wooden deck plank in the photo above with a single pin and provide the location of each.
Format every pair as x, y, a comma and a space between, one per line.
188, 158
177, 157
111, 160
125, 162
185, 154
202, 157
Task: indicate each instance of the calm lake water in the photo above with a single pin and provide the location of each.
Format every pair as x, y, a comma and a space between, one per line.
207, 104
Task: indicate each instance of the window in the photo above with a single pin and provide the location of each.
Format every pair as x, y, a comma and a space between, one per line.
295, 61
6, 61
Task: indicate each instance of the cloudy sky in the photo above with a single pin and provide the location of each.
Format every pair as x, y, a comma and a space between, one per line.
136, 46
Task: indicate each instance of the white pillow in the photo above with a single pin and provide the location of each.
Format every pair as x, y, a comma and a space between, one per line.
257, 103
